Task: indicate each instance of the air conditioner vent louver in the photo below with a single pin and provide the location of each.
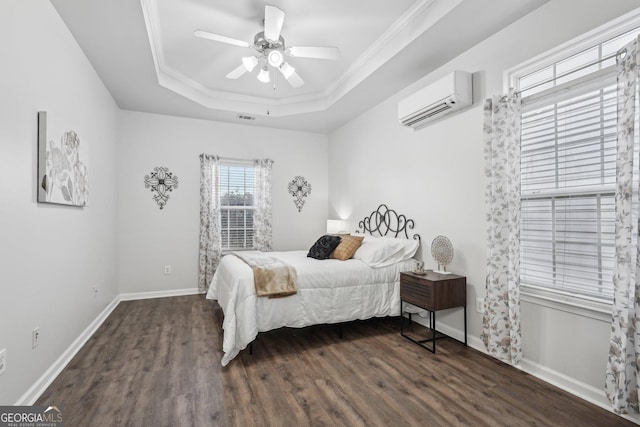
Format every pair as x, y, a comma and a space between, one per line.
425, 115
447, 95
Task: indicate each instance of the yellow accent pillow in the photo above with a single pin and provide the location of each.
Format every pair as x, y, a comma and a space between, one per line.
347, 247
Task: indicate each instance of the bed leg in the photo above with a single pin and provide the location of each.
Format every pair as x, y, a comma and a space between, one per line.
251, 348
340, 330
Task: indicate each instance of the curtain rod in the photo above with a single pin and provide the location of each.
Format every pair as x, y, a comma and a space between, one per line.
229, 159
235, 159
568, 73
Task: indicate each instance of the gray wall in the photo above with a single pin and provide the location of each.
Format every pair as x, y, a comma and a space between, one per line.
436, 176
51, 256
150, 238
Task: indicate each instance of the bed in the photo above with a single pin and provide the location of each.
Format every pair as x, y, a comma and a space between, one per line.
328, 291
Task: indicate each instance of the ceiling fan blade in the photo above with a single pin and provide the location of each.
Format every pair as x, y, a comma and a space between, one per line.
319, 52
218, 38
237, 72
273, 20
295, 80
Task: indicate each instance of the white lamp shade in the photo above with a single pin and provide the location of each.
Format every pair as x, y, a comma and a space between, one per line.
263, 76
249, 62
335, 226
286, 70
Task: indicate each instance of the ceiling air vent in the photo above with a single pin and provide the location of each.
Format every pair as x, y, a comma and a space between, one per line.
245, 117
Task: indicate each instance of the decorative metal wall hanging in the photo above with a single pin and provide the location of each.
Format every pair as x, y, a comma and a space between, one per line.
299, 188
162, 182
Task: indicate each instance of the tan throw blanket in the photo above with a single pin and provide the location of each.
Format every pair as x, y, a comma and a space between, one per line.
273, 278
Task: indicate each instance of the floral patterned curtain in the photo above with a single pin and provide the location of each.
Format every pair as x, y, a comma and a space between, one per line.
210, 239
262, 240
501, 318
621, 383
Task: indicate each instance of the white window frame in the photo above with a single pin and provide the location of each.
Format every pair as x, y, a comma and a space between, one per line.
547, 297
231, 163
599, 35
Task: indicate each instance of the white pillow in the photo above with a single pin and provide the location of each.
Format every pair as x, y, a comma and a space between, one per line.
410, 246
375, 253
380, 252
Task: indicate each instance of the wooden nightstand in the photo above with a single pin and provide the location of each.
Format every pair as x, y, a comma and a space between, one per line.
433, 292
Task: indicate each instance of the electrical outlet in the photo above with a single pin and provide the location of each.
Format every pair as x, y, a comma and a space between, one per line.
167, 269
35, 337
479, 305
3, 361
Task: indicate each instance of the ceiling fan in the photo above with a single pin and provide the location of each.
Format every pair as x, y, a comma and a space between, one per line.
271, 50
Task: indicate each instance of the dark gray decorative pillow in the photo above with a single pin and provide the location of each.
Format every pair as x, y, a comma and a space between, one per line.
323, 247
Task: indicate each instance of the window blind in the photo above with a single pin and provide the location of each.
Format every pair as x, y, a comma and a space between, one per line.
568, 172
237, 184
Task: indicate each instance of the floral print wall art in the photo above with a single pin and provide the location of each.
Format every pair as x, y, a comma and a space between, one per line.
63, 176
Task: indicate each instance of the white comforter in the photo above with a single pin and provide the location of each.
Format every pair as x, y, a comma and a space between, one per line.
329, 291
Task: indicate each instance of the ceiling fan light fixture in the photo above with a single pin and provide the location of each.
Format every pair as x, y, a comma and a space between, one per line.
249, 62
275, 58
286, 70
263, 76
270, 49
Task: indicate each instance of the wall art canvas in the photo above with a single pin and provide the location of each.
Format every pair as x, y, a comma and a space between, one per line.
63, 175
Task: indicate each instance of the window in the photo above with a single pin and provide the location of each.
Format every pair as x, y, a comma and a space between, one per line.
237, 189
568, 171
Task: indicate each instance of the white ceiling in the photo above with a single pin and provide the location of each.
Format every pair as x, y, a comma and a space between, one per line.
148, 58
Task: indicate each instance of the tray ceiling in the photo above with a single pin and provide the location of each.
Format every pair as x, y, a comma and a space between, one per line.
146, 53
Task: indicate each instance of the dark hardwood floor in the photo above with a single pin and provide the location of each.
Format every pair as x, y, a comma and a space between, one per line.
157, 363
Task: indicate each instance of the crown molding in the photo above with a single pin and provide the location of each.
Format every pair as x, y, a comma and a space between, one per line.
416, 20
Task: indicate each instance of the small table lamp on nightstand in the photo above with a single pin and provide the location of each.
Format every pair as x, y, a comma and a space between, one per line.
337, 226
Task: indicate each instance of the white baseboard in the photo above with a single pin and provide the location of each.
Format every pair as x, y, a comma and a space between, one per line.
577, 388
36, 390
39, 387
553, 377
158, 294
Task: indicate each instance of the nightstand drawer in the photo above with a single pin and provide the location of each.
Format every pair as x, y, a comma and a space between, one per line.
433, 291
415, 292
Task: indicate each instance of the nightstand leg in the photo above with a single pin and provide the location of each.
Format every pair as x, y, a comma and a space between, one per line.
433, 313
401, 319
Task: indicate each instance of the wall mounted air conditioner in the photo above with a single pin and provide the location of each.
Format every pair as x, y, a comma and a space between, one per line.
447, 95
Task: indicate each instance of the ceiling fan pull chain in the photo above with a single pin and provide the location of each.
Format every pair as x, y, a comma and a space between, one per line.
274, 79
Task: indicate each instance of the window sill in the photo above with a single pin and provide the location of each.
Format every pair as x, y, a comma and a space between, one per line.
581, 306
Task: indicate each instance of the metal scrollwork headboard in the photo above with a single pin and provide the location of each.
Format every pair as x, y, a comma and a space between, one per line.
387, 222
